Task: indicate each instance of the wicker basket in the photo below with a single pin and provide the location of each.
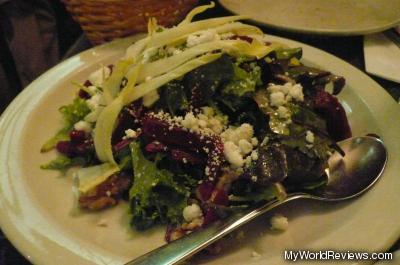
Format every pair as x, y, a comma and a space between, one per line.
104, 20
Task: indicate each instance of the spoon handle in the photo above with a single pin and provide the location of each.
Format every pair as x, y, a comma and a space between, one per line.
188, 245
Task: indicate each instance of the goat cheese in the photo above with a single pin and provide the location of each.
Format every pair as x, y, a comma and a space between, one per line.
192, 212
83, 126
279, 222
233, 155
98, 77
277, 98
129, 134
310, 137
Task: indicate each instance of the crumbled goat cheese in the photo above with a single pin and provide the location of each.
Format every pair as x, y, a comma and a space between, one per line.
204, 123
150, 98
192, 212
254, 141
232, 154
94, 102
310, 137
245, 131
98, 77
171, 50
255, 254
296, 92
102, 223
226, 36
245, 146
147, 54
238, 143
254, 155
281, 94
93, 89
202, 37
283, 112
277, 99
83, 126
129, 134
279, 222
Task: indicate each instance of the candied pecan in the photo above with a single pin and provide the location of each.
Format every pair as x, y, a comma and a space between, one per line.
107, 193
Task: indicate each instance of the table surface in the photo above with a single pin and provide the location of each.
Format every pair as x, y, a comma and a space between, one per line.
349, 49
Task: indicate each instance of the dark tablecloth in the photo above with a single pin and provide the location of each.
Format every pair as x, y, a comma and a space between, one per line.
349, 49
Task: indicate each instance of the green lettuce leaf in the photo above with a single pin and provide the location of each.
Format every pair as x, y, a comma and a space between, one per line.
61, 162
243, 82
155, 197
71, 114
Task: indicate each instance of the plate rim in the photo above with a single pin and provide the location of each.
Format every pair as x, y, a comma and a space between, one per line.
8, 228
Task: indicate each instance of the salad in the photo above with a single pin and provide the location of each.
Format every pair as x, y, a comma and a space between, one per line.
198, 121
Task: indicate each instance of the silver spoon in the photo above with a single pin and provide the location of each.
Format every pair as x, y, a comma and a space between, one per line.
348, 177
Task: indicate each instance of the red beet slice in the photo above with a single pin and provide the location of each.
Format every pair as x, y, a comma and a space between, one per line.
333, 112
171, 134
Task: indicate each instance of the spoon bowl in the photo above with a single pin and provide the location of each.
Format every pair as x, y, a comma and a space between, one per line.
349, 176
353, 174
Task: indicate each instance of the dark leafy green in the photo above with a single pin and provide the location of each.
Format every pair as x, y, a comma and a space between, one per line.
155, 196
71, 114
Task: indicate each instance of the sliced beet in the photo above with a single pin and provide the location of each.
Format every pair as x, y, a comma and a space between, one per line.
175, 135
187, 157
333, 112
129, 118
156, 147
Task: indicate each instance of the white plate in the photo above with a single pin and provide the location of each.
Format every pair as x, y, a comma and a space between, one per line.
35, 205
333, 17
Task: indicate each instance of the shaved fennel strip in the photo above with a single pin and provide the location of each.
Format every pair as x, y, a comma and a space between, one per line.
111, 86
90, 177
196, 11
129, 95
163, 38
165, 65
103, 131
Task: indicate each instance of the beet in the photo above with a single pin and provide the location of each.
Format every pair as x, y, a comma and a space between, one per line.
333, 112
174, 135
204, 191
187, 157
77, 136
220, 197
122, 144
65, 148
156, 147
129, 118
83, 94
210, 216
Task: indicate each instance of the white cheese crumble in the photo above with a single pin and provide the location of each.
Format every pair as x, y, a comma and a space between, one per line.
83, 126
129, 134
255, 254
94, 102
238, 145
204, 122
192, 212
281, 94
232, 154
147, 54
277, 99
98, 77
201, 37
150, 98
310, 137
279, 222
102, 223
